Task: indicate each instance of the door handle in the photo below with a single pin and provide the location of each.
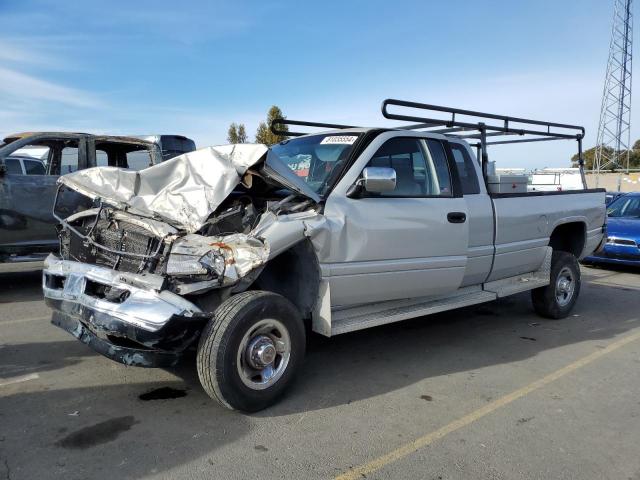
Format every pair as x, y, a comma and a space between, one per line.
456, 217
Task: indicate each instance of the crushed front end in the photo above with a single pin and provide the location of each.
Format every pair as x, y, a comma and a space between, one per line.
121, 283
139, 274
107, 289
126, 317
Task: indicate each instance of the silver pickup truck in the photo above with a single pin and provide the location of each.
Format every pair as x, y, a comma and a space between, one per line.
239, 251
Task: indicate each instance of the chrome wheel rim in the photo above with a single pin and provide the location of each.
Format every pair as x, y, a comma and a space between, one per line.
264, 354
565, 286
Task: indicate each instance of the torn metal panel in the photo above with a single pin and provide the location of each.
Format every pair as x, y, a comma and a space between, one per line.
240, 253
142, 302
139, 348
157, 228
183, 191
283, 231
276, 169
319, 230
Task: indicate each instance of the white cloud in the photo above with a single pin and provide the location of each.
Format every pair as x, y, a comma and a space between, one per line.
18, 85
12, 52
31, 101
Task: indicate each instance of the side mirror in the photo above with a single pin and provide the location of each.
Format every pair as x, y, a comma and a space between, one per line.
3, 169
379, 179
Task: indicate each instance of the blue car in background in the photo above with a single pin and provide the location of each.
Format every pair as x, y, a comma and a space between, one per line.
611, 196
623, 233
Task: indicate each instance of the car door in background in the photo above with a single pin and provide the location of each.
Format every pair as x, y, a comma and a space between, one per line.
27, 225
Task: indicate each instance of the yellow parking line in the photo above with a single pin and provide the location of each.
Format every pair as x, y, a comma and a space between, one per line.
421, 442
25, 378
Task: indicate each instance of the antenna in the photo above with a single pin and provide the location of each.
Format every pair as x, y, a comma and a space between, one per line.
614, 130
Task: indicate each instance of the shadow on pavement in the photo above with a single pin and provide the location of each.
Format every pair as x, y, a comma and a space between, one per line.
613, 267
27, 358
111, 430
21, 287
372, 362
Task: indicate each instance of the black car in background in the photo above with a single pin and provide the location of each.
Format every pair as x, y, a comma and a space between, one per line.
30, 164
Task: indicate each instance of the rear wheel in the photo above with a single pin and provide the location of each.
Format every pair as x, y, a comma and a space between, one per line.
250, 352
557, 299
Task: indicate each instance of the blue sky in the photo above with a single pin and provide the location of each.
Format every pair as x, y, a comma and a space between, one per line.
193, 67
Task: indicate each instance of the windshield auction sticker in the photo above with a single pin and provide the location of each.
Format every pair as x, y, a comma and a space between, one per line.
339, 140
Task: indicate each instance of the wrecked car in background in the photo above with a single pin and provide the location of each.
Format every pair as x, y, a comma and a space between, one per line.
30, 164
240, 250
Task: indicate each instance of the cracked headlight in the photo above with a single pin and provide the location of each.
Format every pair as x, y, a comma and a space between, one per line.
209, 263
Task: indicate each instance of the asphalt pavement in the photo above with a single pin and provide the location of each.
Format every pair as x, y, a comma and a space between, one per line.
491, 391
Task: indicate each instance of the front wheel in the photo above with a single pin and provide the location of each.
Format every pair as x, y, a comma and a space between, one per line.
557, 299
251, 350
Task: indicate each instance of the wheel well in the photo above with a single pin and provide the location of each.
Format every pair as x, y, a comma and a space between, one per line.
294, 274
569, 237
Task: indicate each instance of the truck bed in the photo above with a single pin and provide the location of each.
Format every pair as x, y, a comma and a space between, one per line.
525, 221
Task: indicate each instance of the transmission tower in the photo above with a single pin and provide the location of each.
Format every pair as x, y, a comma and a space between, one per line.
614, 130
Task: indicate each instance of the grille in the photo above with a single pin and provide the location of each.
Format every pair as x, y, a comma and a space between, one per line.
118, 236
127, 238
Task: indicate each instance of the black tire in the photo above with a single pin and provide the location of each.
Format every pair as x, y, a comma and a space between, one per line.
220, 344
546, 300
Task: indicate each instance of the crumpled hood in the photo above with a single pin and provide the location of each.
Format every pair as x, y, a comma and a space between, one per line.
183, 191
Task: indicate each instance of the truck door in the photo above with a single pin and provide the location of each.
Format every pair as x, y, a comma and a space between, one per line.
26, 199
480, 251
405, 243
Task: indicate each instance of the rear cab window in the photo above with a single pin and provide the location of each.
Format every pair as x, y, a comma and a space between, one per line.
34, 167
466, 169
124, 155
29, 160
49, 154
69, 158
172, 146
13, 166
139, 159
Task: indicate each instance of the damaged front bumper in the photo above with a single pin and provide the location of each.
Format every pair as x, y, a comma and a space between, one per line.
124, 316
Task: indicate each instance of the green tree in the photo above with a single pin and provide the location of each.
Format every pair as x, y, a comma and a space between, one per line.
264, 133
242, 134
237, 133
590, 157
634, 157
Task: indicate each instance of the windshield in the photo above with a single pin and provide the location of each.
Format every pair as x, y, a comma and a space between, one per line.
316, 159
625, 206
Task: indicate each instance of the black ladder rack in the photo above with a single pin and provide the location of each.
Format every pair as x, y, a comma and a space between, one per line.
474, 126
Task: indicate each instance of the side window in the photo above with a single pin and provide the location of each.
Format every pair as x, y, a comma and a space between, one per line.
68, 160
13, 166
421, 171
439, 158
110, 154
138, 159
102, 159
466, 169
41, 154
34, 167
